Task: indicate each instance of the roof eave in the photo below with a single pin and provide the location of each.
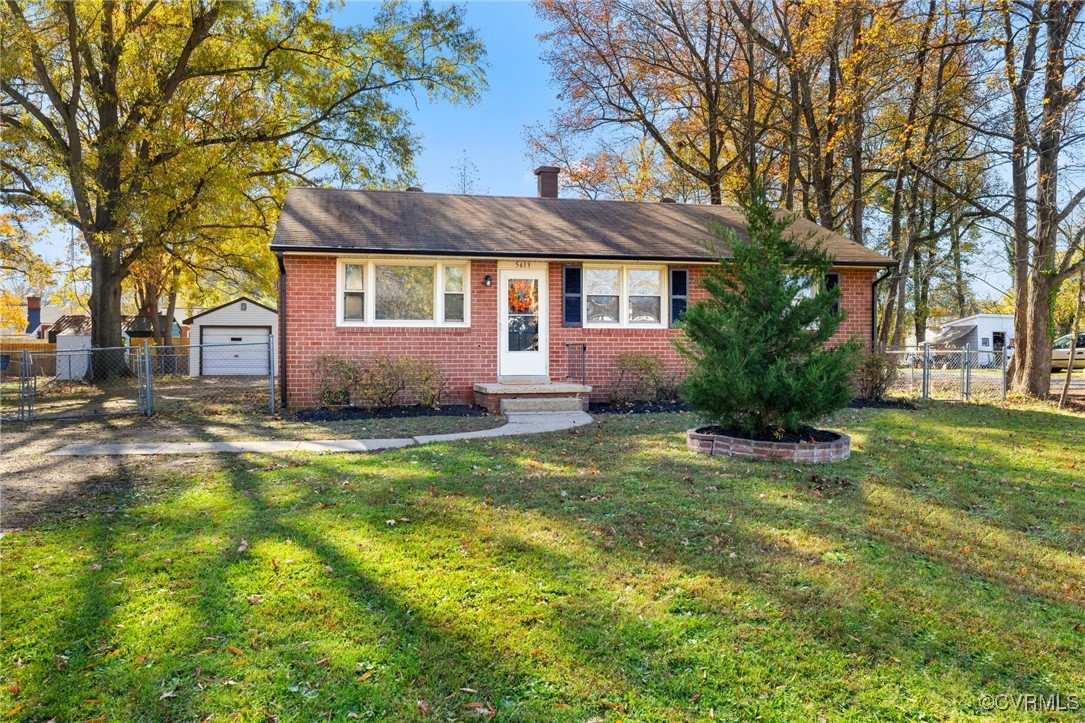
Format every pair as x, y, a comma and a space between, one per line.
288, 248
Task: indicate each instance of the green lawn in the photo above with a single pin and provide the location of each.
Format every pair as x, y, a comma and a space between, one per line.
601, 574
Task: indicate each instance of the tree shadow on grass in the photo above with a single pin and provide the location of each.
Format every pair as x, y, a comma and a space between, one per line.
621, 592
826, 604
58, 635
997, 475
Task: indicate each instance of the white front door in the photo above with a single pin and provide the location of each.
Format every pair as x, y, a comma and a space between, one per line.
522, 321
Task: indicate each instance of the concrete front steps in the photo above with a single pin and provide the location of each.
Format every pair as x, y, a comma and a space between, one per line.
544, 396
541, 404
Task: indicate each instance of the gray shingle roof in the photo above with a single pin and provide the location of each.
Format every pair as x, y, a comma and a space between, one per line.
399, 222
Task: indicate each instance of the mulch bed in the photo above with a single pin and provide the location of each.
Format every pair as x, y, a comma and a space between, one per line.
637, 407
883, 404
669, 407
807, 435
324, 414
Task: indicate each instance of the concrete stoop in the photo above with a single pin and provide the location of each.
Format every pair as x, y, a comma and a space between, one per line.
540, 396
541, 404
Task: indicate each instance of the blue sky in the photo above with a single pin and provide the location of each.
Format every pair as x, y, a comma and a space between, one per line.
491, 131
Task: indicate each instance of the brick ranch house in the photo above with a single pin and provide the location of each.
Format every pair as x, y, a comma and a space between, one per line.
511, 297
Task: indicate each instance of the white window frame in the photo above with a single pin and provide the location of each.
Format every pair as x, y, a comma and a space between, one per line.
371, 262
623, 297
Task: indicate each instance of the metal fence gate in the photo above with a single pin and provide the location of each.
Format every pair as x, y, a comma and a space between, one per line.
961, 373
202, 379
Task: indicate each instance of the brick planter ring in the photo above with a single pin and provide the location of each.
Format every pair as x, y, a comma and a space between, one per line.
793, 452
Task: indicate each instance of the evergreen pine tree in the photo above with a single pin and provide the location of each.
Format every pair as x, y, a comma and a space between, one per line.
760, 364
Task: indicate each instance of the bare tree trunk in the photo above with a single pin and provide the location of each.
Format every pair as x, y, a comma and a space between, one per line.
958, 269
1035, 376
894, 306
792, 144
1075, 329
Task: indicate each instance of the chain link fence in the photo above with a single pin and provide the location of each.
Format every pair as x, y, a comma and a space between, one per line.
961, 373
205, 379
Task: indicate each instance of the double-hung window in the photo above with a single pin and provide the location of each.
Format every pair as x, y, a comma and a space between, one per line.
390, 292
603, 295
645, 295
623, 295
353, 292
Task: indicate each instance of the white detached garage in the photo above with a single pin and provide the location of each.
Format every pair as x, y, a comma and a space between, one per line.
231, 340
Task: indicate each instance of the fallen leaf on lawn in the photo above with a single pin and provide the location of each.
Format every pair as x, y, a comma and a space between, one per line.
483, 709
323, 661
15, 710
95, 567
424, 708
234, 650
115, 652
253, 599
468, 690
168, 694
93, 701
243, 546
329, 569
239, 661
366, 675
614, 706
206, 651
353, 716
14, 688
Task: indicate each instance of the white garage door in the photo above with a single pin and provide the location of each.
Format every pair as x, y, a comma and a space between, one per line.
244, 353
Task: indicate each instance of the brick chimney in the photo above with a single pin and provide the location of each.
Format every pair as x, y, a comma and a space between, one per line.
33, 313
548, 181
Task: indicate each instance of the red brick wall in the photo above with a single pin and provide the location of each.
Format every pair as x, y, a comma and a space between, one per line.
469, 355
604, 345
465, 355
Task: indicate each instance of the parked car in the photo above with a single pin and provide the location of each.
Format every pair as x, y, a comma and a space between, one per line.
1060, 353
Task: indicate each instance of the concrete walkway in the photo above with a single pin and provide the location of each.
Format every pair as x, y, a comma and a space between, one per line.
518, 423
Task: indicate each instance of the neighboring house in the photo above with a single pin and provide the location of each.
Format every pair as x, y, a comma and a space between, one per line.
39, 318
244, 326
982, 332
503, 289
133, 328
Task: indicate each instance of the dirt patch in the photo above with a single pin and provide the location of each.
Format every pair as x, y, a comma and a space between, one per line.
34, 486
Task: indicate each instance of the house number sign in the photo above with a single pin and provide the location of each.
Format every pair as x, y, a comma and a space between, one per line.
523, 264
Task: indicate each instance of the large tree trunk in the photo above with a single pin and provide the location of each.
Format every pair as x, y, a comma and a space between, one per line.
106, 273
1034, 370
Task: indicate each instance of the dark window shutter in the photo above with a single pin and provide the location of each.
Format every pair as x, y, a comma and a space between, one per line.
571, 295
831, 282
679, 294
